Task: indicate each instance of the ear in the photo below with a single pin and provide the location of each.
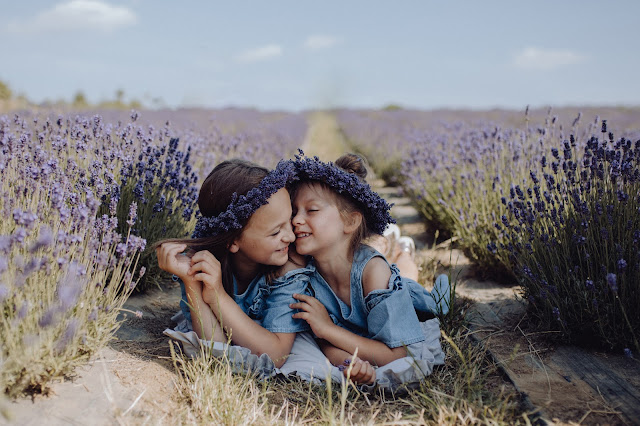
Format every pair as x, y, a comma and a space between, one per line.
354, 219
234, 247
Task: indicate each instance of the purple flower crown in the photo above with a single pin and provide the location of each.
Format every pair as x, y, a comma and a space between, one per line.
243, 206
374, 207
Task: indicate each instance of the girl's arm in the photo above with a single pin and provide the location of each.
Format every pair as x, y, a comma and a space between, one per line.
237, 324
316, 315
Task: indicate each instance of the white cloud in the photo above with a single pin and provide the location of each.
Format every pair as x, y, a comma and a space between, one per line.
320, 42
546, 59
77, 15
260, 53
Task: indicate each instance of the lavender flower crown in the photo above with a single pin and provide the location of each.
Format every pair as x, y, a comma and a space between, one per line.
242, 207
374, 207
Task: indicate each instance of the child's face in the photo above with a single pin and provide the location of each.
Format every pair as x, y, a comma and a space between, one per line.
266, 237
317, 222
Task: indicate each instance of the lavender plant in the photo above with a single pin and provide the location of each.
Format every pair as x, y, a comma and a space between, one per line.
573, 235
458, 166
159, 191
64, 271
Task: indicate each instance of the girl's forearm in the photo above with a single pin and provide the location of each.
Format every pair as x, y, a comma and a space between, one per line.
204, 323
336, 356
247, 333
374, 351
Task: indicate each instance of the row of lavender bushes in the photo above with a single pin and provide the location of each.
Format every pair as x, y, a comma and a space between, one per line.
549, 200
83, 197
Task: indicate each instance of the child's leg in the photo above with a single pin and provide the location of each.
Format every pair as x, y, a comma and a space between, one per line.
204, 322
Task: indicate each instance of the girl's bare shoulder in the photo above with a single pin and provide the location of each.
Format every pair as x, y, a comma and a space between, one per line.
376, 275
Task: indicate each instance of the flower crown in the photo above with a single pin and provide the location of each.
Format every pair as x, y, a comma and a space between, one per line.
243, 206
374, 207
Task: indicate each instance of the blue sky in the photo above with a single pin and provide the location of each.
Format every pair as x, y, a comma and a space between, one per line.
297, 55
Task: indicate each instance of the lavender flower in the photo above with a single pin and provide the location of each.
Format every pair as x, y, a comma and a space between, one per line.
45, 239
611, 281
133, 214
4, 292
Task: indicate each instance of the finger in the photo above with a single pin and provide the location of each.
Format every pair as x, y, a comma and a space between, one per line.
369, 373
301, 315
355, 369
206, 267
303, 297
205, 256
372, 378
300, 305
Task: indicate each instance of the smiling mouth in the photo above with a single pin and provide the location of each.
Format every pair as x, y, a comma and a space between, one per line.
284, 249
302, 235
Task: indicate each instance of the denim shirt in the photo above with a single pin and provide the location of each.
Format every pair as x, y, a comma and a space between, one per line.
387, 315
277, 313
268, 304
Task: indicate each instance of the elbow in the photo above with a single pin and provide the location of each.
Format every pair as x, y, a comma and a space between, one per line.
279, 362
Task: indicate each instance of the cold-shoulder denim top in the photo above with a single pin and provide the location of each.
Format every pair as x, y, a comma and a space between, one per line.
268, 304
388, 315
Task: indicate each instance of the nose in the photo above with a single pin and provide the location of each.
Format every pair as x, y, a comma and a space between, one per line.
297, 220
288, 235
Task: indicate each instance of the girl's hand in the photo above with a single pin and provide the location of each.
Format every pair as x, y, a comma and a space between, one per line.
361, 371
172, 259
314, 313
206, 268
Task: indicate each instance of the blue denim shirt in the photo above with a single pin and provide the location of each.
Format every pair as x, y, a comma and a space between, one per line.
277, 313
388, 315
268, 304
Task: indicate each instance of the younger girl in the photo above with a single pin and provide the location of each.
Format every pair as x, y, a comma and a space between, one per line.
361, 302
238, 244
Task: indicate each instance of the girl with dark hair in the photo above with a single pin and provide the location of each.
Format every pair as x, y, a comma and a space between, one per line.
229, 267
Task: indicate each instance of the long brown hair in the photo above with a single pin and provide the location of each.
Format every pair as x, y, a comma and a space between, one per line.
228, 177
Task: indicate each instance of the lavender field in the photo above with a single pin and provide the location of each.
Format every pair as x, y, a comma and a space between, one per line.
549, 199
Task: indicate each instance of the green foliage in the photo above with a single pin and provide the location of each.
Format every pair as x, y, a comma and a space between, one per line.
5, 92
80, 101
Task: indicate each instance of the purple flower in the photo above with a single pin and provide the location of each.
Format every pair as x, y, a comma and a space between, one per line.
121, 250
611, 281
47, 318
45, 239
5, 243
68, 335
133, 214
589, 284
4, 292
622, 265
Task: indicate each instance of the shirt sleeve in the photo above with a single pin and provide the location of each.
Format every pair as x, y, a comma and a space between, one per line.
391, 317
277, 315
